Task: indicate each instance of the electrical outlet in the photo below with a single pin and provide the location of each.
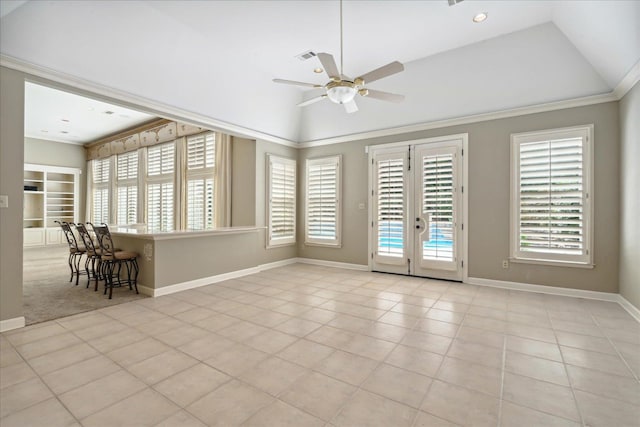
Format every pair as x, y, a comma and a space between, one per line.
4, 201
361, 206
505, 263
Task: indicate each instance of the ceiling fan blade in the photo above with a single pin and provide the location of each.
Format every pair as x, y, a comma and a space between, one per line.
382, 72
329, 65
312, 101
351, 106
384, 96
292, 82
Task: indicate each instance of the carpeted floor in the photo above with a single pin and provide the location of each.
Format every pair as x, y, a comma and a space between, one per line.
48, 294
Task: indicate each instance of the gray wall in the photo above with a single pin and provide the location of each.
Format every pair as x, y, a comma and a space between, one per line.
630, 196
52, 153
11, 174
243, 182
262, 149
489, 162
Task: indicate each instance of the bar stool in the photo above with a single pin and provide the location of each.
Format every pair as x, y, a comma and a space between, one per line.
93, 262
111, 257
75, 251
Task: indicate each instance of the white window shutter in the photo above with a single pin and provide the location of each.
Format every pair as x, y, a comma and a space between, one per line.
160, 188
200, 173
323, 201
390, 207
100, 197
127, 188
282, 201
201, 151
552, 186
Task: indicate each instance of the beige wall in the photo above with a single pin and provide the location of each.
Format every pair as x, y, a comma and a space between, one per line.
11, 174
262, 149
243, 182
44, 152
630, 196
489, 162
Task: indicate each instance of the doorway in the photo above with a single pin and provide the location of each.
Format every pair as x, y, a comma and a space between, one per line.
418, 208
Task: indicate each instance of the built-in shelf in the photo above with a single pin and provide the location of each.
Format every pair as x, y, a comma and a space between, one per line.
57, 188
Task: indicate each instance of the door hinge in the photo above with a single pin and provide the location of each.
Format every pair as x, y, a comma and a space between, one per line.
408, 266
462, 152
371, 255
372, 161
371, 224
462, 226
462, 263
462, 189
371, 193
409, 161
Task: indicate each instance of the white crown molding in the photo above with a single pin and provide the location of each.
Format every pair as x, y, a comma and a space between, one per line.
502, 114
153, 107
173, 113
628, 81
9, 324
81, 144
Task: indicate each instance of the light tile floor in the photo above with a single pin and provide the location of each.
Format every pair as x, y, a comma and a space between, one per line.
313, 346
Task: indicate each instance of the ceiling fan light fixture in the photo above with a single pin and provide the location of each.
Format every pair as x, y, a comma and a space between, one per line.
341, 92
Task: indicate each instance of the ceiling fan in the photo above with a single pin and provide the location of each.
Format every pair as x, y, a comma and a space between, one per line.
342, 89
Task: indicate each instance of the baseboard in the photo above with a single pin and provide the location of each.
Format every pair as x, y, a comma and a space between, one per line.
9, 324
552, 290
204, 281
631, 309
347, 266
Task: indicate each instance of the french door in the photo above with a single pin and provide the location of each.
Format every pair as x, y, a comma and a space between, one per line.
417, 209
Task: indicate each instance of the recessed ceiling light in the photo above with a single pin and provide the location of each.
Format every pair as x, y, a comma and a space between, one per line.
64, 120
63, 131
480, 17
109, 112
318, 70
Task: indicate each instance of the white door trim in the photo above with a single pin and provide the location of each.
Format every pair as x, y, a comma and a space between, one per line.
464, 137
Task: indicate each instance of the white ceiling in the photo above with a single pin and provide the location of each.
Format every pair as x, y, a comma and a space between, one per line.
217, 58
64, 117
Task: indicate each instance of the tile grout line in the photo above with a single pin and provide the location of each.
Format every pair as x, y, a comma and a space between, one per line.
502, 375
618, 353
435, 375
566, 371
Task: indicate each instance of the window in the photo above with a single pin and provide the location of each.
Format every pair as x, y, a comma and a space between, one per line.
160, 186
551, 196
282, 201
100, 196
200, 175
323, 222
127, 188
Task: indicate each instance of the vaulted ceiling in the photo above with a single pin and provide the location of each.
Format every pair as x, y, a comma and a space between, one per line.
217, 59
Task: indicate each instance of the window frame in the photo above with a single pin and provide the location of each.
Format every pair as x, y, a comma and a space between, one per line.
309, 240
102, 186
126, 183
204, 174
163, 178
288, 240
584, 260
